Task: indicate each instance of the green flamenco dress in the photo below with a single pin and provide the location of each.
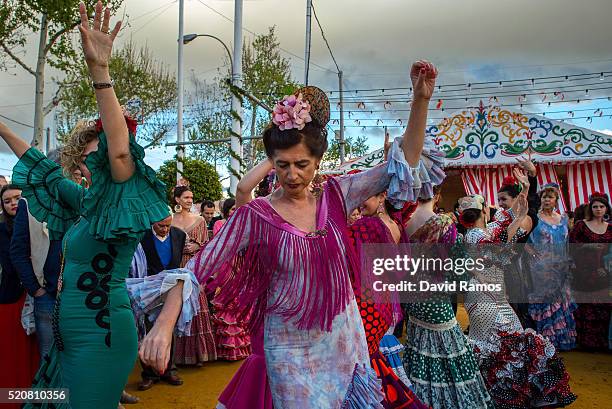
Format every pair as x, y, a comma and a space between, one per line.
95, 334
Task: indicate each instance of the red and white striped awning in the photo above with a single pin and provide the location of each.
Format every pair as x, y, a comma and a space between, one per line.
586, 178
488, 181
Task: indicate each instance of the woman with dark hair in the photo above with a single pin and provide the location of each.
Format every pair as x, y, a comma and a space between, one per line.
518, 279
590, 274
438, 358
198, 347
227, 210
379, 225
95, 335
18, 351
552, 308
283, 259
520, 368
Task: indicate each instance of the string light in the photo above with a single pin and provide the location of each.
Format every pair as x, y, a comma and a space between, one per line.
586, 93
601, 76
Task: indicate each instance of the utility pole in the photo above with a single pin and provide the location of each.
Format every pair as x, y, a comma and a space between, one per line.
342, 141
308, 35
180, 149
236, 144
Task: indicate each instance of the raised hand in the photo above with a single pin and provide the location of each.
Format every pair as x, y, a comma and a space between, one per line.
521, 177
423, 75
527, 165
387, 145
97, 40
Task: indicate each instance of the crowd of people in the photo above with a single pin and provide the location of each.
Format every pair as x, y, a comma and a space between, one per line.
98, 271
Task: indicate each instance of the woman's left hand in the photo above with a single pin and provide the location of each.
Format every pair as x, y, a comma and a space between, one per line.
97, 40
423, 76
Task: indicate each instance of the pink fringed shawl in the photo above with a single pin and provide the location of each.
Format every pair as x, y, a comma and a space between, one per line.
269, 266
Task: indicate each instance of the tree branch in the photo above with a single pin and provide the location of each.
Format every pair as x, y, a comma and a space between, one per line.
54, 101
17, 59
57, 35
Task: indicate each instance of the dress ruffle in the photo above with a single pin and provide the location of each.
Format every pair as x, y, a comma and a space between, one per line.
524, 371
122, 210
231, 338
146, 296
365, 390
40, 180
556, 321
408, 183
443, 369
49, 375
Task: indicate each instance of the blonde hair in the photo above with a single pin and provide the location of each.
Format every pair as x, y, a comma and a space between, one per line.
83, 133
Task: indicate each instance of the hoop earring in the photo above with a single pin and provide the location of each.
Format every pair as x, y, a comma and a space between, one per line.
178, 208
381, 209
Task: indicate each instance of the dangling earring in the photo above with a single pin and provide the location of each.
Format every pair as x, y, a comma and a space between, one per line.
178, 208
381, 209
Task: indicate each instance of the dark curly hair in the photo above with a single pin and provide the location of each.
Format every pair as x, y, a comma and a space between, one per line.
179, 190
313, 135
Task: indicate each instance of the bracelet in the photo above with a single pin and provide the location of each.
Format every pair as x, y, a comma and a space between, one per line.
103, 85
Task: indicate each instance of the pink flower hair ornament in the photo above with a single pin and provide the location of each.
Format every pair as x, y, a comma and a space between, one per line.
291, 112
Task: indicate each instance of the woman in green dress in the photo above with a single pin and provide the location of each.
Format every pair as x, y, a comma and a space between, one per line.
95, 334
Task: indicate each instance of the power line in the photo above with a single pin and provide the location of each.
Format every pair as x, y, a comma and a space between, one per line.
480, 96
15, 121
561, 84
471, 84
498, 105
151, 11
507, 67
255, 34
542, 113
153, 18
323, 35
591, 118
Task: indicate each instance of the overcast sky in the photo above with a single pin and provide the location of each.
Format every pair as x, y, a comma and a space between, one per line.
374, 43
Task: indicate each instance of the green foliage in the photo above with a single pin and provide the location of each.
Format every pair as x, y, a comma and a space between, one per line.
202, 176
19, 18
266, 75
207, 117
353, 148
137, 75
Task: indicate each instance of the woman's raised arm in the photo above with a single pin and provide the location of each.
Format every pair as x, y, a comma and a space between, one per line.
97, 41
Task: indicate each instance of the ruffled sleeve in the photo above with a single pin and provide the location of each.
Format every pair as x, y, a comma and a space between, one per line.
52, 198
403, 182
122, 210
147, 295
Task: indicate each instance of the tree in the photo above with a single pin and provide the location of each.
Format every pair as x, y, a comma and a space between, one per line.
202, 177
208, 117
266, 75
54, 21
137, 75
353, 148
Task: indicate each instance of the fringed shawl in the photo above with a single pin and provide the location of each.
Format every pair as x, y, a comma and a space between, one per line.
268, 265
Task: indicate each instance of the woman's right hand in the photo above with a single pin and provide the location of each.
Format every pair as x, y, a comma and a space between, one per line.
155, 348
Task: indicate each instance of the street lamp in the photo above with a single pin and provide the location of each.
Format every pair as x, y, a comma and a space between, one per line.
187, 38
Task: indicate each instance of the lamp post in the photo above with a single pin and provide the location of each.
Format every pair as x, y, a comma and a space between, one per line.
187, 38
